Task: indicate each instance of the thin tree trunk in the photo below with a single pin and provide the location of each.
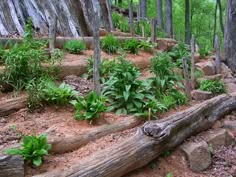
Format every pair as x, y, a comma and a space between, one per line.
169, 27
159, 13
143, 8
187, 22
131, 18
221, 16
215, 25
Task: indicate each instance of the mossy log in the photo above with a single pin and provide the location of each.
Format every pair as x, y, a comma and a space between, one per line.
151, 140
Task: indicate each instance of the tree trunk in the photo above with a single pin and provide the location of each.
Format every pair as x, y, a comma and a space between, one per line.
71, 14
131, 18
143, 8
151, 140
11, 166
187, 22
159, 13
215, 25
221, 16
169, 27
230, 35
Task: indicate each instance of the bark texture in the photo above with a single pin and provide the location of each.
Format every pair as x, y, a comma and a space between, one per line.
151, 140
12, 105
169, 26
11, 166
230, 35
159, 13
71, 14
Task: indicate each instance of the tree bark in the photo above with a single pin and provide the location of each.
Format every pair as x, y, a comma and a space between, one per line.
143, 8
159, 13
63, 145
217, 49
151, 140
215, 24
131, 18
12, 105
11, 166
169, 27
187, 22
106, 15
230, 35
221, 16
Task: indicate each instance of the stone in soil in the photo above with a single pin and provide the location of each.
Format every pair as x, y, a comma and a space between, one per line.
200, 95
208, 67
198, 155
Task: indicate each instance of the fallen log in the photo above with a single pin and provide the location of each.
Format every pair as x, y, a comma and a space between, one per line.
12, 105
11, 166
63, 145
151, 140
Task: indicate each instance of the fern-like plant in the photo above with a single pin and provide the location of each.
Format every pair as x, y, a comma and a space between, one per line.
110, 44
75, 46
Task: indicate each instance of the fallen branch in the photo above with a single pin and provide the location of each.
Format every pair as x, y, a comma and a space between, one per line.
63, 145
151, 140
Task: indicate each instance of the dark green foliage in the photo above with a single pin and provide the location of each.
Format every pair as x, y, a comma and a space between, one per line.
213, 86
146, 45
106, 67
2, 53
23, 62
123, 89
90, 107
110, 44
120, 22
131, 45
75, 46
33, 149
203, 52
44, 90
165, 79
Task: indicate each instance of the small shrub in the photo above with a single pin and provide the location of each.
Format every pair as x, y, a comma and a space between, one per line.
90, 107
123, 90
110, 44
44, 90
213, 86
120, 22
203, 52
75, 46
131, 45
33, 149
146, 45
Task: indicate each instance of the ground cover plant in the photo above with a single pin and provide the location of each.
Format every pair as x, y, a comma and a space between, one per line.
33, 149
75, 46
89, 107
131, 45
110, 44
213, 86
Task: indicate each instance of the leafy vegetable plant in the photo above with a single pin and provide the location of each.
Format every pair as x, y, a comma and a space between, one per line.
131, 45
123, 90
110, 44
213, 86
33, 149
90, 107
75, 46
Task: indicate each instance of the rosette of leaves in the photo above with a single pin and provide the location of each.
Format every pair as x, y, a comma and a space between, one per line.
34, 148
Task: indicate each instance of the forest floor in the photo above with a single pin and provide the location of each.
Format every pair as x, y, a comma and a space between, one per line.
59, 122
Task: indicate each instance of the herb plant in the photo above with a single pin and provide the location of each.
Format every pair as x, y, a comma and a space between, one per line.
75, 46
33, 149
131, 46
90, 107
110, 44
213, 86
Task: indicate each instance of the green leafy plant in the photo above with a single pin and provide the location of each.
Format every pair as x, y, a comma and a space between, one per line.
110, 44
169, 174
75, 46
131, 45
123, 90
90, 107
33, 149
60, 95
213, 86
120, 22
146, 45
23, 62
203, 52
106, 67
